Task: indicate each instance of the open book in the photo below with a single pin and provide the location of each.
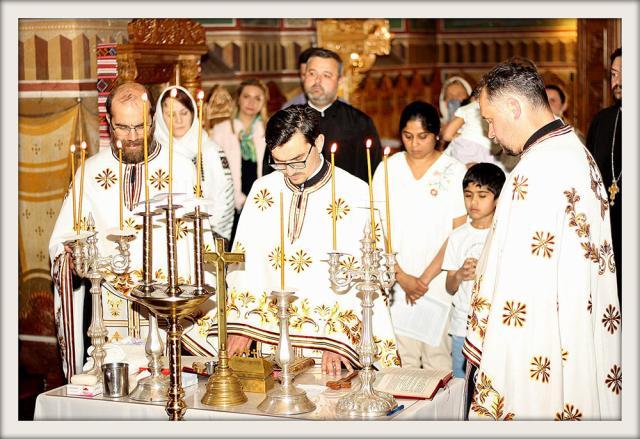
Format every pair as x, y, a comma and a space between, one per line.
411, 383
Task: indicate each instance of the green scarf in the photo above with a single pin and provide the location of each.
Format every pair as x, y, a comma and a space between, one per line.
247, 148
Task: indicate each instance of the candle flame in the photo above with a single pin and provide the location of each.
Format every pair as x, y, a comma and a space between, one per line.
72, 148
387, 150
174, 92
200, 95
368, 143
144, 97
119, 144
334, 147
83, 145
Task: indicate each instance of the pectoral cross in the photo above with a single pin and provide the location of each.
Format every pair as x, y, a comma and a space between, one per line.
613, 190
220, 258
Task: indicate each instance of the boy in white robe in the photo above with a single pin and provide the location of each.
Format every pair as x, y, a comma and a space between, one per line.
545, 323
325, 324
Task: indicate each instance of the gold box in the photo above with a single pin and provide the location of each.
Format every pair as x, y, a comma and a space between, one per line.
255, 374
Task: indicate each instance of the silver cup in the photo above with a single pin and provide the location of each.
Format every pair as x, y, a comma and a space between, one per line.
116, 379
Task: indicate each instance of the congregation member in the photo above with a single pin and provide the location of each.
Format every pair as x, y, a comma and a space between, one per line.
481, 185
604, 141
300, 98
216, 183
323, 324
544, 326
557, 100
99, 194
425, 189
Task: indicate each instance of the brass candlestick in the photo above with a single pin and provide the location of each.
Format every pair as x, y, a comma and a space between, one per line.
286, 399
89, 264
174, 302
223, 387
363, 401
154, 388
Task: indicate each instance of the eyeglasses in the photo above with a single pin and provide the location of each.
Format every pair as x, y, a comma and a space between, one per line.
125, 130
281, 166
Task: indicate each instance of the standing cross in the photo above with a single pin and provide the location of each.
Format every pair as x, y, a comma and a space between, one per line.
221, 258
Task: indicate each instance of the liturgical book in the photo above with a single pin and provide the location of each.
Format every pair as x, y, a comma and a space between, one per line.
411, 383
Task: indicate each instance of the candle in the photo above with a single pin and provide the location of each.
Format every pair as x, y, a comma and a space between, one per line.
72, 151
373, 223
199, 157
386, 197
146, 149
83, 147
119, 146
334, 207
281, 243
174, 93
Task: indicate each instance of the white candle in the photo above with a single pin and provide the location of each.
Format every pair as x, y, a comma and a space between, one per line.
334, 208
120, 199
146, 149
373, 223
174, 93
386, 195
72, 153
83, 147
199, 157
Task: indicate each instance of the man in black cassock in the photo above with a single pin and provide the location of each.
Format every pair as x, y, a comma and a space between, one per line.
339, 122
604, 141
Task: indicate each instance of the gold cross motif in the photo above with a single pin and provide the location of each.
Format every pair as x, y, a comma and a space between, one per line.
613, 190
220, 258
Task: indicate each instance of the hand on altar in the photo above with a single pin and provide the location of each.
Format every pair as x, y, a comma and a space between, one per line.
237, 344
414, 287
332, 363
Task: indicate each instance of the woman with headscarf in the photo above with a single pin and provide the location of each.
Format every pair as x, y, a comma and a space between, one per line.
216, 184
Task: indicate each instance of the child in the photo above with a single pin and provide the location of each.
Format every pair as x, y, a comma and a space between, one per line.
481, 185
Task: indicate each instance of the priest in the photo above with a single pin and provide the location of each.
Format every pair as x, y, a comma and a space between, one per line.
99, 193
325, 325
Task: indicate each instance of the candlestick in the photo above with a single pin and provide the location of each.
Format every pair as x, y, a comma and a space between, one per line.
334, 208
146, 150
281, 243
83, 147
373, 223
119, 146
199, 157
386, 195
174, 93
72, 151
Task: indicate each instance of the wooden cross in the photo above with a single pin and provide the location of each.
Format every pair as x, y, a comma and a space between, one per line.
220, 258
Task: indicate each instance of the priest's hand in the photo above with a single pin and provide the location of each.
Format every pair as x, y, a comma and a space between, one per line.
414, 288
237, 344
332, 363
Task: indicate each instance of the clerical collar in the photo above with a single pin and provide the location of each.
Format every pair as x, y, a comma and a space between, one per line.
548, 128
320, 110
316, 176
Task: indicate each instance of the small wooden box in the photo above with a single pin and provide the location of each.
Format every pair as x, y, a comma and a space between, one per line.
255, 374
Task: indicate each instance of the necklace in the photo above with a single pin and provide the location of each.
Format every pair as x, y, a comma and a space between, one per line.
614, 189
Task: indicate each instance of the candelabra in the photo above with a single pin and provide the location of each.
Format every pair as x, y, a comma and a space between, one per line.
155, 387
174, 301
287, 399
364, 401
89, 264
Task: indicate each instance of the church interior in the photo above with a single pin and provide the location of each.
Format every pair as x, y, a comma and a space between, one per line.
67, 67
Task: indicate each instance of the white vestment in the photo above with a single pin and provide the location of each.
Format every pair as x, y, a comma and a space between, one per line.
321, 319
122, 317
216, 183
422, 213
544, 325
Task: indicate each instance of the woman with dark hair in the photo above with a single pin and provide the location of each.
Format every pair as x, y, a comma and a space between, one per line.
216, 183
427, 203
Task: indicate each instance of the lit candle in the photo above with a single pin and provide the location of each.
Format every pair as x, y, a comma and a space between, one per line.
120, 201
386, 195
83, 147
373, 223
174, 93
72, 154
199, 157
281, 243
146, 149
334, 208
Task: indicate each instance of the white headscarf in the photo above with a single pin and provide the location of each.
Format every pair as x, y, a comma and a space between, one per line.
187, 145
443, 104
